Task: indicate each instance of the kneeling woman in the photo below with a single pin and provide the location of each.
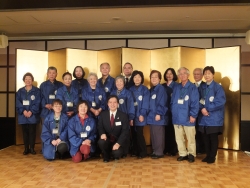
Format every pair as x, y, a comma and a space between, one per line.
82, 133
55, 132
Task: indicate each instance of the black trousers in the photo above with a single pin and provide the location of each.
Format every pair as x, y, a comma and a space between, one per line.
139, 145
211, 144
170, 142
200, 146
29, 135
106, 148
157, 134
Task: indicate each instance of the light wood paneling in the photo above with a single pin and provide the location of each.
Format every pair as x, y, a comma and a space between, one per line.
12, 107
245, 107
3, 100
3, 85
12, 79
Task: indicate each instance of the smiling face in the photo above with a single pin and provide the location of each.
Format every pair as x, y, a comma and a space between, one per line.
208, 76
183, 75
119, 84
83, 109
137, 79
169, 76
57, 107
154, 79
113, 104
67, 79
92, 81
127, 70
197, 75
105, 69
28, 81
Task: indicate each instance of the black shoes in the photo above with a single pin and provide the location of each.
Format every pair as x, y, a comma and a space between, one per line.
205, 159
190, 158
32, 151
154, 156
105, 160
26, 151
182, 158
208, 159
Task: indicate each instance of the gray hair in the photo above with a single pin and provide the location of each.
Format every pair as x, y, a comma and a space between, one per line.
183, 68
199, 69
105, 63
92, 74
120, 77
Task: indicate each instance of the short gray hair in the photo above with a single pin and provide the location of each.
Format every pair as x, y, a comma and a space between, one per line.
200, 69
92, 74
183, 68
120, 77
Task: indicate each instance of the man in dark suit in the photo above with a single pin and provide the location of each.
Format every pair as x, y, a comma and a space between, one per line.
127, 71
113, 128
200, 147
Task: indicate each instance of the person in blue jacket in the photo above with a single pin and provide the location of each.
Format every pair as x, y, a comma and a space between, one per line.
48, 92
95, 96
68, 95
55, 132
140, 94
170, 77
106, 82
81, 133
156, 117
80, 82
28, 101
185, 107
211, 118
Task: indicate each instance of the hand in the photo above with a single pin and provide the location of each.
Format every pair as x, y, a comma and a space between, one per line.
204, 112
70, 113
48, 106
191, 119
141, 118
29, 113
87, 142
104, 137
54, 142
116, 146
157, 118
97, 112
25, 113
58, 141
131, 123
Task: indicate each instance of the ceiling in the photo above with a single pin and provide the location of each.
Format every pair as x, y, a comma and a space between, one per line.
154, 20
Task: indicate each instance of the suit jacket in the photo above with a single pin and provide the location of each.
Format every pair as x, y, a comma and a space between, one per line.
120, 130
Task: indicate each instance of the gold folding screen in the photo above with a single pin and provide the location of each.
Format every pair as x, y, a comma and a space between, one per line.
225, 61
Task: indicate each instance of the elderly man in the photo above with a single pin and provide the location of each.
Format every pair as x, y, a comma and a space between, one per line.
200, 147
185, 107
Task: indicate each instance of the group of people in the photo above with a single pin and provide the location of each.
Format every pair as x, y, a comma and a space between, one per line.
107, 115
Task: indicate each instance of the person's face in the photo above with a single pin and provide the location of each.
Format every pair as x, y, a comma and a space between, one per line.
28, 81
105, 69
82, 109
208, 76
119, 84
67, 79
154, 79
92, 81
51, 75
197, 75
127, 70
137, 79
169, 75
57, 108
183, 75
112, 104
78, 72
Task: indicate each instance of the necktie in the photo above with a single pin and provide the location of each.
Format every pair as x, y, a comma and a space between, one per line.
126, 79
197, 85
112, 119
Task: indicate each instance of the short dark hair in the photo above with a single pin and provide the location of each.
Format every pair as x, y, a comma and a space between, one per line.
156, 71
66, 73
57, 101
127, 63
134, 74
112, 96
52, 68
83, 72
175, 78
28, 74
82, 102
209, 68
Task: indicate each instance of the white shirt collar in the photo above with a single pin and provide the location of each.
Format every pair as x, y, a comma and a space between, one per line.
114, 113
198, 83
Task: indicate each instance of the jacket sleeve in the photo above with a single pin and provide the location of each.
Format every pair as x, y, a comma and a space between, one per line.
145, 103
35, 108
75, 101
100, 125
103, 101
59, 95
130, 106
194, 102
161, 107
200, 96
73, 138
124, 136
64, 132
19, 103
85, 96
218, 102
43, 98
46, 134
92, 135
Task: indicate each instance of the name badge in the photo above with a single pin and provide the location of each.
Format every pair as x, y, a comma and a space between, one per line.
135, 104
26, 102
83, 134
52, 96
69, 104
118, 123
55, 131
202, 101
93, 104
180, 101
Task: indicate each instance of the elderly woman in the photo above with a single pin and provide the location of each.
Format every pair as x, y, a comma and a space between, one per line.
81, 133
170, 144
28, 109
211, 119
157, 114
55, 132
79, 83
68, 95
140, 95
94, 95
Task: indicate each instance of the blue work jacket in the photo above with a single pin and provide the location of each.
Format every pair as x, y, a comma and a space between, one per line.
79, 85
108, 86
